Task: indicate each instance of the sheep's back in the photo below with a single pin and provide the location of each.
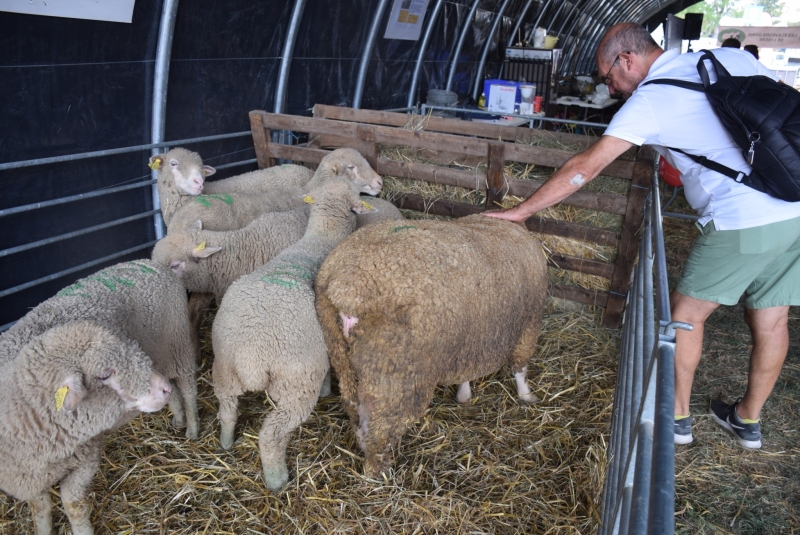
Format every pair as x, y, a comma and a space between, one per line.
465, 289
262, 180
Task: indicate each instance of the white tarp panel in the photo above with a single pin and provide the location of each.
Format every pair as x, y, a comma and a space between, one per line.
107, 10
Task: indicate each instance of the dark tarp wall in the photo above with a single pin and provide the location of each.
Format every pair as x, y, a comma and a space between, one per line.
69, 86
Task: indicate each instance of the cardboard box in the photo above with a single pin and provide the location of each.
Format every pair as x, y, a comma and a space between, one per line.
501, 95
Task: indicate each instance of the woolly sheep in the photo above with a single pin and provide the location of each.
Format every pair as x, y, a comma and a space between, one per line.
266, 335
181, 175
408, 306
59, 394
145, 303
208, 261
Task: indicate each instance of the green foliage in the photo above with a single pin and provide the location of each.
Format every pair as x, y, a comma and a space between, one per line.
714, 10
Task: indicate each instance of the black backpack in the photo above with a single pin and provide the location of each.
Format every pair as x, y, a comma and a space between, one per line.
763, 117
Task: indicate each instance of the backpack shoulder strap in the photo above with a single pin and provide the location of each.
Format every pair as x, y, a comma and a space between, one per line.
680, 83
714, 166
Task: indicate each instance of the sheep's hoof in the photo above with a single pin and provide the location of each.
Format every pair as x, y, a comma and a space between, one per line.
529, 398
276, 478
192, 431
226, 440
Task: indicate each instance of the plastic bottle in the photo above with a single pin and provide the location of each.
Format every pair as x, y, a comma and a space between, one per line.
482, 101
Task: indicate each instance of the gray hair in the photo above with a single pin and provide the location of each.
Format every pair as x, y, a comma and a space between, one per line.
626, 37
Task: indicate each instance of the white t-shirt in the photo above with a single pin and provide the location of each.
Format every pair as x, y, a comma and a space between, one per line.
668, 116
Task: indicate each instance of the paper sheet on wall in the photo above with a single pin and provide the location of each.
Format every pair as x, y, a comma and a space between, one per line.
108, 10
405, 21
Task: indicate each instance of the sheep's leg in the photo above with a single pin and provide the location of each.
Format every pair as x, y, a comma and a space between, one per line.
389, 419
293, 405
42, 509
228, 413
520, 357
523, 392
199, 303
73, 490
175, 404
464, 393
326, 390
187, 388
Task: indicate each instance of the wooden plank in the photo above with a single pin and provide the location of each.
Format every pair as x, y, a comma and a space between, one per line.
339, 113
535, 223
366, 144
432, 173
581, 265
581, 295
494, 173
383, 134
298, 154
628, 248
261, 138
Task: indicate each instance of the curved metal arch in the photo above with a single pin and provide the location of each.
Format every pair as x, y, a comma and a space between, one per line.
479, 72
589, 51
368, 46
518, 22
541, 14
166, 31
288, 53
422, 49
553, 19
567, 17
572, 52
460, 44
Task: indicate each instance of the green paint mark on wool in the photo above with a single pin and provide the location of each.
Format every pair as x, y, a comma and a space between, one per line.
287, 276
205, 200
108, 278
73, 290
143, 268
404, 227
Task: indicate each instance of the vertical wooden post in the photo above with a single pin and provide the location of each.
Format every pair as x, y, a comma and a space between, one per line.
494, 174
261, 139
366, 144
628, 244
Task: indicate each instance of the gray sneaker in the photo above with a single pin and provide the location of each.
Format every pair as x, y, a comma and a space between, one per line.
683, 431
747, 435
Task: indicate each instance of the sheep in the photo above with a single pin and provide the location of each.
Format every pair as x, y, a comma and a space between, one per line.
147, 304
181, 175
266, 335
60, 393
208, 261
405, 307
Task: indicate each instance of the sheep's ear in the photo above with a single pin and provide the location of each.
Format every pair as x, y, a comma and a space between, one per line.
197, 225
201, 251
207, 170
70, 393
156, 162
363, 207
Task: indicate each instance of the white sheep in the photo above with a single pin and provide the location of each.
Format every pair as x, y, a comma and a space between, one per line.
408, 306
266, 335
59, 394
181, 175
143, 301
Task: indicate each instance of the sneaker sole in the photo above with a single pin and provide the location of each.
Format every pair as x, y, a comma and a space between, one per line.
683, 439
749, 444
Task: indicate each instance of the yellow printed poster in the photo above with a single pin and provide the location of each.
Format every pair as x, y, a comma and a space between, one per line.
405, 21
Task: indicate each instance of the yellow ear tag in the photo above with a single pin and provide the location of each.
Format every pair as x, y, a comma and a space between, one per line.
60, 395
155, 165
200, 247
367, 205
307, 199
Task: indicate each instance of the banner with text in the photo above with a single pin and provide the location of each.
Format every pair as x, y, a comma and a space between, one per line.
762, 36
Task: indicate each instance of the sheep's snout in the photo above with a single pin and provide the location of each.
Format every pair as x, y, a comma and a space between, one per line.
348, 322
191, 184
158, 395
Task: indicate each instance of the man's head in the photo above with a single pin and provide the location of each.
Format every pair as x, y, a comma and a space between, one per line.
731, 42
625, 55
753, 49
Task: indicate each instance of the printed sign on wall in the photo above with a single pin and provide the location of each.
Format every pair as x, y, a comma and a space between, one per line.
405, 21
762, 36
108, 10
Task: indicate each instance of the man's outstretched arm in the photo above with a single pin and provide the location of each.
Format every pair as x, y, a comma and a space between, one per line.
576, 171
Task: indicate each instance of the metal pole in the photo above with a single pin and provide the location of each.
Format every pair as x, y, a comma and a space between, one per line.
517, 24
569, 52
165, 32
288, 52
362, 70
422, 49
479, 73
460, 44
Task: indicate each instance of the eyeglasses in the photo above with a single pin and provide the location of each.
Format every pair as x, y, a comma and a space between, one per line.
606, 79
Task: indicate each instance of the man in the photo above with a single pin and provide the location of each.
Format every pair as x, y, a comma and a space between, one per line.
749, 242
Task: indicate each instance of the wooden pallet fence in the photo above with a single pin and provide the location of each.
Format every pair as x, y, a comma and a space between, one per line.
364, 130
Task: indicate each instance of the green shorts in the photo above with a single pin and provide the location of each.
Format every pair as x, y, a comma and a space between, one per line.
761, 262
